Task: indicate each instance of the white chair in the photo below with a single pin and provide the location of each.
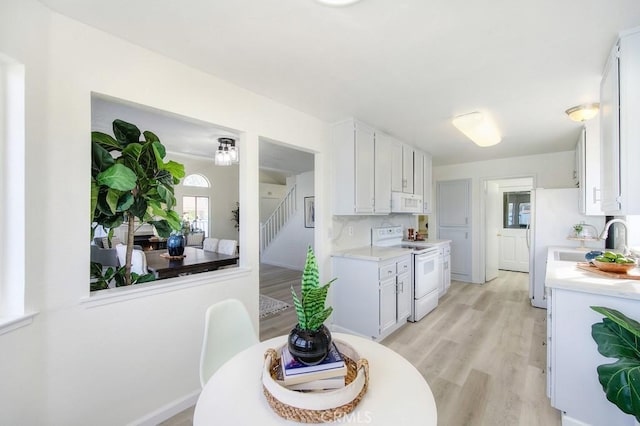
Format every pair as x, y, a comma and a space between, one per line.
138, 259
195, 239
227, 247
227, 331
210, 244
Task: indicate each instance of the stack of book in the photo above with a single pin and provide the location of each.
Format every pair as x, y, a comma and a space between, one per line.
329, 374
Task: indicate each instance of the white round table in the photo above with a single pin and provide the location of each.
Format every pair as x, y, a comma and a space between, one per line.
397, 394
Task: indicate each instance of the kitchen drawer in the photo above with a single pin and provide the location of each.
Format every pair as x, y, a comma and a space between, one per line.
387, 271
403, 267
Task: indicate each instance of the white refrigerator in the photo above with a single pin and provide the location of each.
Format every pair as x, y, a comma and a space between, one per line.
555, 211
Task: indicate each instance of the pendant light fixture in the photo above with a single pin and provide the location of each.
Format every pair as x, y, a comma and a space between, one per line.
583, 112
227, 153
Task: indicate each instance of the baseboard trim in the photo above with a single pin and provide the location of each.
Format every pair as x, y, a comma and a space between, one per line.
168, 410
282, 265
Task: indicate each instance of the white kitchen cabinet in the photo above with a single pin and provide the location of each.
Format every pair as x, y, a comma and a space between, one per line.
445, 269
620, 127
382, 168
573, 357
418, 173
407, 169
353, 168
427, 179
588, 168
422, 179
371, 298
396, 165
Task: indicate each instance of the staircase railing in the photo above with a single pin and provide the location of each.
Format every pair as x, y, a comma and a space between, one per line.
280, 216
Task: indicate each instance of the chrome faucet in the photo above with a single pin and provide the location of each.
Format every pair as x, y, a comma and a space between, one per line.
605, 233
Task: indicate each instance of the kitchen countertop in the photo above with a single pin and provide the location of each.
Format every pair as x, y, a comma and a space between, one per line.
566, 275
373, 253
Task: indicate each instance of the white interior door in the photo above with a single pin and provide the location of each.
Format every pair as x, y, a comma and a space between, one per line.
514, 254
493, 225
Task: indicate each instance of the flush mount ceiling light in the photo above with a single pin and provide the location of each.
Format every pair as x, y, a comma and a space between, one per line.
227, 153
583, 112
479, 128
337, 3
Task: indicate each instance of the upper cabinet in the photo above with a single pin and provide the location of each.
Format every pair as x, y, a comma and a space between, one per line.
407, 169
353, 172
620, 127
588, 168
368, 165
384, 148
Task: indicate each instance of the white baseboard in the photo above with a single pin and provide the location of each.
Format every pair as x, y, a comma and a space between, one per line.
282, 265
168, 410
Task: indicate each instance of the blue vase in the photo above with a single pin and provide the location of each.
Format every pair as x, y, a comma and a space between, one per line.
175, 245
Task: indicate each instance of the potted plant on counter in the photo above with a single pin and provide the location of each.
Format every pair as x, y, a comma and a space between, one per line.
618, 336
310, 340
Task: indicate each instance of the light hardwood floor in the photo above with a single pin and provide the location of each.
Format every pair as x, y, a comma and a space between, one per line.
482, 351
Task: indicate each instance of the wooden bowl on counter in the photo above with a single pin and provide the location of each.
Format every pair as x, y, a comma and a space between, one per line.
619, 268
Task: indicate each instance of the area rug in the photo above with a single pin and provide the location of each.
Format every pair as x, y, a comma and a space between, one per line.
270, 306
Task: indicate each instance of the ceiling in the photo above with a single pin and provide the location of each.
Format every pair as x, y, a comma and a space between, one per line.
405, 66
189, 136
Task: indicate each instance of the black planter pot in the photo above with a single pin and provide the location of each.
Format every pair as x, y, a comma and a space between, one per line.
309, 347
175, 245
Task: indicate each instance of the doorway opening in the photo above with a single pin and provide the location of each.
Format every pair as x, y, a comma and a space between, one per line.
505, 231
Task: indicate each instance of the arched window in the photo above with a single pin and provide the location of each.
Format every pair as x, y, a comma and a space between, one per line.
196, 180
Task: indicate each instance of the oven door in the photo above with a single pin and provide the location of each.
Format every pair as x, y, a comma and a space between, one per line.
426, 273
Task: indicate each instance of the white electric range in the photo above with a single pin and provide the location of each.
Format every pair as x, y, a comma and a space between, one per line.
425, 271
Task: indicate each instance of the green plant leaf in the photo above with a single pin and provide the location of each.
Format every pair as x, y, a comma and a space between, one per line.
174, 220
124, 202
621, 383
318, 319
144, 278
125, 133
162, 227
139, 207
105, 141
150, 137
619, 318
118, 177
176, 169
617, 337
95, 190
302, 321
614, 341
101, 160
112, 200
133, 150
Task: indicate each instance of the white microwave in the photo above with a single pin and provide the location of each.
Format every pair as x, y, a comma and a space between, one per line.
406, 203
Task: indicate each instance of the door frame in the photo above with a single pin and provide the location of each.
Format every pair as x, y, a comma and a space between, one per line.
483, 213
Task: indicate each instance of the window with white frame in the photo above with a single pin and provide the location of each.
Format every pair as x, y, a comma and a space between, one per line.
195, 208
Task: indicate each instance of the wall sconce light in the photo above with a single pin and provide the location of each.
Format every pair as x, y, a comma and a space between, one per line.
583, 112
227, 153
479, 128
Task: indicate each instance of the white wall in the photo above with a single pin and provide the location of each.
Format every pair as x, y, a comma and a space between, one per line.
79, 363
289, 247
549, 171
270, 196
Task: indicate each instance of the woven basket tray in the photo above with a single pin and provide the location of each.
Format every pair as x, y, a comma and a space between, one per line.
316, 407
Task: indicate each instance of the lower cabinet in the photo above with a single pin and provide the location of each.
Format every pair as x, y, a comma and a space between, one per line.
445, 269
371, 298
572, 357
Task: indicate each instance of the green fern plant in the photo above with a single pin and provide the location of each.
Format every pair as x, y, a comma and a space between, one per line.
310, 307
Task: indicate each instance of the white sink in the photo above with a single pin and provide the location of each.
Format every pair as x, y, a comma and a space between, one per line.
569, 256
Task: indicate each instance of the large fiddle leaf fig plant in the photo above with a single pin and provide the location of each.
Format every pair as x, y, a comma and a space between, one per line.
310, 307
130, 181
618, 336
